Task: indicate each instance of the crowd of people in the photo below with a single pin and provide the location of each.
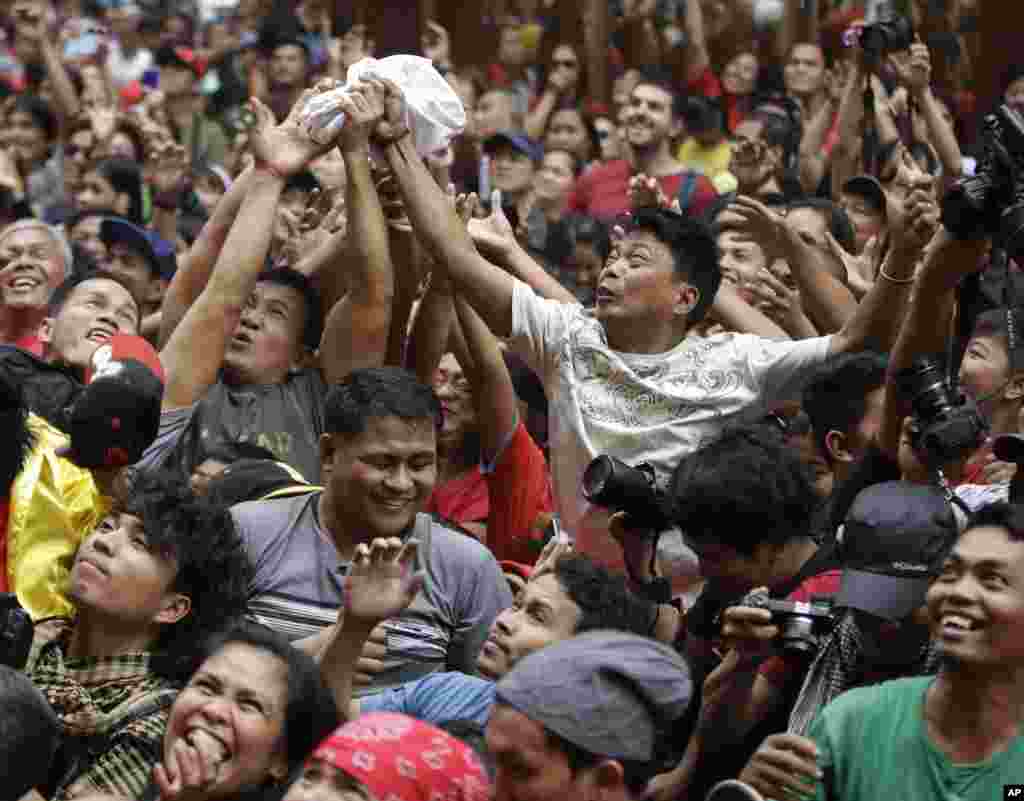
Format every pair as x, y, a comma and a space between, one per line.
656, 440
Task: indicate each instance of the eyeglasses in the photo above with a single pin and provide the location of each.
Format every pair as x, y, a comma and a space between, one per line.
567, 63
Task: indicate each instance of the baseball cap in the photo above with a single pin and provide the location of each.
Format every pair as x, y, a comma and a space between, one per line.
609, 693
117, 416
891, 544
185, 57
515, 139
867, 187
158, 252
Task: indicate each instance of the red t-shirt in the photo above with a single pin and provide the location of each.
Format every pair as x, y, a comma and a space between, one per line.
603, 192
461, 500
779, 669
511, 497
520, 492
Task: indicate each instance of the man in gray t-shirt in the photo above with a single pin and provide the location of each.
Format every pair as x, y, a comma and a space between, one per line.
379, 468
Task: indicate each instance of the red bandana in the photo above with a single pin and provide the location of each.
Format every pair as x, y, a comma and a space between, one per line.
399, 758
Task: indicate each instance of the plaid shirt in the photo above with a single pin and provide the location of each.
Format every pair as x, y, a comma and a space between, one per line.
93, 696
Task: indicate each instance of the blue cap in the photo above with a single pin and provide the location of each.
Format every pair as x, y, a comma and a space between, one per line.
156, 250
517, 140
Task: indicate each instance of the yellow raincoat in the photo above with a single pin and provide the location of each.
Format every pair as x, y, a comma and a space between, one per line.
54, 503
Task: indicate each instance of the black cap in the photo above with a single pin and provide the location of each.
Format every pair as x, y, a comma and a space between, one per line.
117, 416
892, 543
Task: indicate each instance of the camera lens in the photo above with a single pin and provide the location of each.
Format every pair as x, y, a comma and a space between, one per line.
797, 636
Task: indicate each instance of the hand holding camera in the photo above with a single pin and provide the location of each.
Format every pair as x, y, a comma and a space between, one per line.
913, 67
749, 630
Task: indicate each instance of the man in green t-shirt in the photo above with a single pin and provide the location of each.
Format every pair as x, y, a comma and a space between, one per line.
954, 735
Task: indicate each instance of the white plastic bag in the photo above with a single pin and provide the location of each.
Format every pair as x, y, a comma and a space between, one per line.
434, 113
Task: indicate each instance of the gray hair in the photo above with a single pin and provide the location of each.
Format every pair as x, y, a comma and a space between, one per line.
55, 233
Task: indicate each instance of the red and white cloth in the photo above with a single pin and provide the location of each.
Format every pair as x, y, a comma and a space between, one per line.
399, 758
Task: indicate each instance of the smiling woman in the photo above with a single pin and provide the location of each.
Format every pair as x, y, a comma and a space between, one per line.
253, 709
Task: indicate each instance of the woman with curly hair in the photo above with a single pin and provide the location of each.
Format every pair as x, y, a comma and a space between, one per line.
158, 575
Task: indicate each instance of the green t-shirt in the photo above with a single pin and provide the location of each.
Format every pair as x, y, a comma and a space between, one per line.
872, 745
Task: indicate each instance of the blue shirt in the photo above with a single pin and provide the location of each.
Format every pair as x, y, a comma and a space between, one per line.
437, 698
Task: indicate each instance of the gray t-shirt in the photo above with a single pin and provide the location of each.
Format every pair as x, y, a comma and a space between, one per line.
299, 579
285, 418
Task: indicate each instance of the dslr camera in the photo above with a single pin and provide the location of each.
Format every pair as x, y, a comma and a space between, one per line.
16, 632
889, 35
991, 202
801, 624
612, 484
945, 425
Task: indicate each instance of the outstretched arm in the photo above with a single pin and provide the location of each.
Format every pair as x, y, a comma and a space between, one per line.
928, 320
195, 350
356, 333
912, 222
439, 227
195, 268
493, 393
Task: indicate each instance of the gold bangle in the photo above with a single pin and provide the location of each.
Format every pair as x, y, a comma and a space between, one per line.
883, 274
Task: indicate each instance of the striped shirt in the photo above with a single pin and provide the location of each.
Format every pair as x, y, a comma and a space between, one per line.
94, 697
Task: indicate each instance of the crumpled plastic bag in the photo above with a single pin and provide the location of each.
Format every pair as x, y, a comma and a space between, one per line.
434, 112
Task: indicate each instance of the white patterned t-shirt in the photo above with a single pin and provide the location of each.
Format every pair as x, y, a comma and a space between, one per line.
642, 407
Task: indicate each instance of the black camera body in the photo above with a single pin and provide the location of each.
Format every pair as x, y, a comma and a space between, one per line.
801, 624
946, 424
16, 632
889, 35
991, 202
612, 484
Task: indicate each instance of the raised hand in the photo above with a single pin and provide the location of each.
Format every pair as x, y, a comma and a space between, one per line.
860, 270
392, 126
913, 67
554, 550
30, 20
756, 221
381, 583
286, 148
167, 168
494, 233
782, 305
103, 119
645, 192
363, 107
